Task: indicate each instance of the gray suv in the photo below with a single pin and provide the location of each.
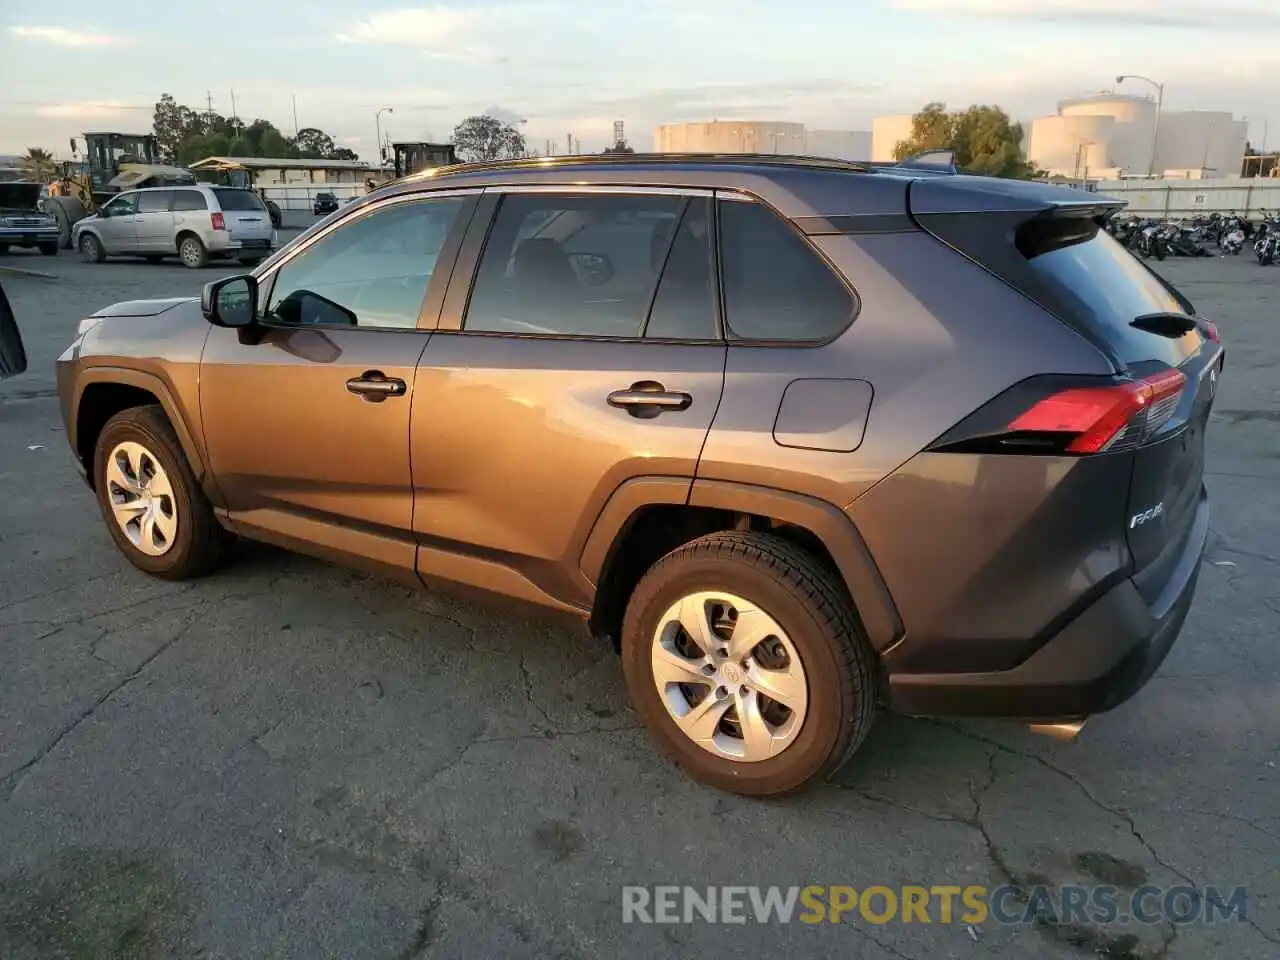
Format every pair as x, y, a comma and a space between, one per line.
195, 223
799, 437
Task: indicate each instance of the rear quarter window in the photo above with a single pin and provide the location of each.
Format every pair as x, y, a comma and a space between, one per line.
777, 287
229, 199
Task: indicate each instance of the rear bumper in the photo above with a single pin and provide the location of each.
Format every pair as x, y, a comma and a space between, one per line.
1096, 662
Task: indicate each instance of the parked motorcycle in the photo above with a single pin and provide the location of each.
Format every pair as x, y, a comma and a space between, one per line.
1267, 245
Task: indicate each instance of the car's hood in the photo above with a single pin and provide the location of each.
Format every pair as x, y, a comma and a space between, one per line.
19, 197
143, 308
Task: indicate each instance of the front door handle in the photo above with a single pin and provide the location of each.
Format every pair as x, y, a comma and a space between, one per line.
647, 399
374, 386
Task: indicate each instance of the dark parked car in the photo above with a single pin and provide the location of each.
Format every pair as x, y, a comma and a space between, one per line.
324, 203
800, 437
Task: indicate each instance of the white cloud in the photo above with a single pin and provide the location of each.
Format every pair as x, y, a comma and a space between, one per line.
88, 111
1224, 15
425, 26
64, 36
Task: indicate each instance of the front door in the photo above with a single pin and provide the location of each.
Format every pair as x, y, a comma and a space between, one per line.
586, 354
116, 227
307, 420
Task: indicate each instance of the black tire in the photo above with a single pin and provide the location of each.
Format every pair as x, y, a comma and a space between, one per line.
4, 248
809, 603
153, 258
49, 249
91, 249
191, 251
201, 544
250, 261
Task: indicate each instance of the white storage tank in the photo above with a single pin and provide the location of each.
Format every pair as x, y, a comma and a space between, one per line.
730, 136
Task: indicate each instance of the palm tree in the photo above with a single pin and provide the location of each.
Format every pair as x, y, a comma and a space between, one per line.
39, 165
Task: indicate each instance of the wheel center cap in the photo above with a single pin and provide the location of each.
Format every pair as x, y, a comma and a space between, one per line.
731, 673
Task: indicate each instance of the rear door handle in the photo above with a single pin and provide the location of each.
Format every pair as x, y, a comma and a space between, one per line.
374, 386
647, 399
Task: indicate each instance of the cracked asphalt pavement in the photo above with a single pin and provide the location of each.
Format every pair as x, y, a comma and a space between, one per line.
291, 760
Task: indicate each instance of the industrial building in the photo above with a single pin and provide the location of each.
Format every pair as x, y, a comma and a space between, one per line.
1110, 136
758, 136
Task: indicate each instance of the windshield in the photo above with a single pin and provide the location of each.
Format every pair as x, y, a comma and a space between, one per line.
230, 199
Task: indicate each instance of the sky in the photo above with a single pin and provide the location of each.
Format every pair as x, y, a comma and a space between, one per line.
577, 67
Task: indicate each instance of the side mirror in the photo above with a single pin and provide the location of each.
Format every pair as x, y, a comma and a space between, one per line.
593, 269
231, 302
13, 358
305, 308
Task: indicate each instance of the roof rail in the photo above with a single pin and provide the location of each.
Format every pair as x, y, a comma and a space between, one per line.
633, 159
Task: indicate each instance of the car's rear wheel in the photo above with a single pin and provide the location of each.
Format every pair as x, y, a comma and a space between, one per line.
91, 249
192, 252
744, 658
154, 508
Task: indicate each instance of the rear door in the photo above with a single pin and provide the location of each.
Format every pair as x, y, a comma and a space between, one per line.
154, 221
587, 353
246, 217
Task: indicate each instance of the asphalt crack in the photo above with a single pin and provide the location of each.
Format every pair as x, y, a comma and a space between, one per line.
14, 779
1116, 812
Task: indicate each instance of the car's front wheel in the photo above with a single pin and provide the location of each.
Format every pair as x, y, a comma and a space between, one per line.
91, 249
743, 657
155, 509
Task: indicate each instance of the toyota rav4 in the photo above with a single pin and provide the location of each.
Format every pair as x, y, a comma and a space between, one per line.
800, 437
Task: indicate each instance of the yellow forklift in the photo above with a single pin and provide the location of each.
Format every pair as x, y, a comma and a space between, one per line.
111, 162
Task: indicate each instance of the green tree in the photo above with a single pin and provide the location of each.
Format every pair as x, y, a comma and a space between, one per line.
984, 139
39, 165
487, 138
203, 145
313, 144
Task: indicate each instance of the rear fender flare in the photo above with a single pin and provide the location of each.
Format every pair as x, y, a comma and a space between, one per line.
834, 528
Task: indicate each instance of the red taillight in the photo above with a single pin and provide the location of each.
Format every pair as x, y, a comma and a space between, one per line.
1211, 329
219, 222
1106, 418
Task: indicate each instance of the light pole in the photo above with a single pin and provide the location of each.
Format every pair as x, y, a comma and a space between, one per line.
1155, 132
377, 121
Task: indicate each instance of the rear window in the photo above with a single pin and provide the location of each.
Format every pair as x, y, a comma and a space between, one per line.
229, 199
1106, 287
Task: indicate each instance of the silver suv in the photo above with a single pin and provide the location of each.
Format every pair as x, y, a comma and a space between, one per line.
195, 223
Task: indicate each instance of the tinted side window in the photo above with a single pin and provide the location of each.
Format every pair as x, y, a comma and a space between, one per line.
685, 306
573, 266
188, 200
123, 205
776, 286
154, 201
370, 272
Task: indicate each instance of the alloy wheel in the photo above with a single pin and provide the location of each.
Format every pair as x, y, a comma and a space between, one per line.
729, 676
141, 498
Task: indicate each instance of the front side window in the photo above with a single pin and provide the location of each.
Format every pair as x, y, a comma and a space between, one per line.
776, 286
589, 266
370, 272
122, 206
